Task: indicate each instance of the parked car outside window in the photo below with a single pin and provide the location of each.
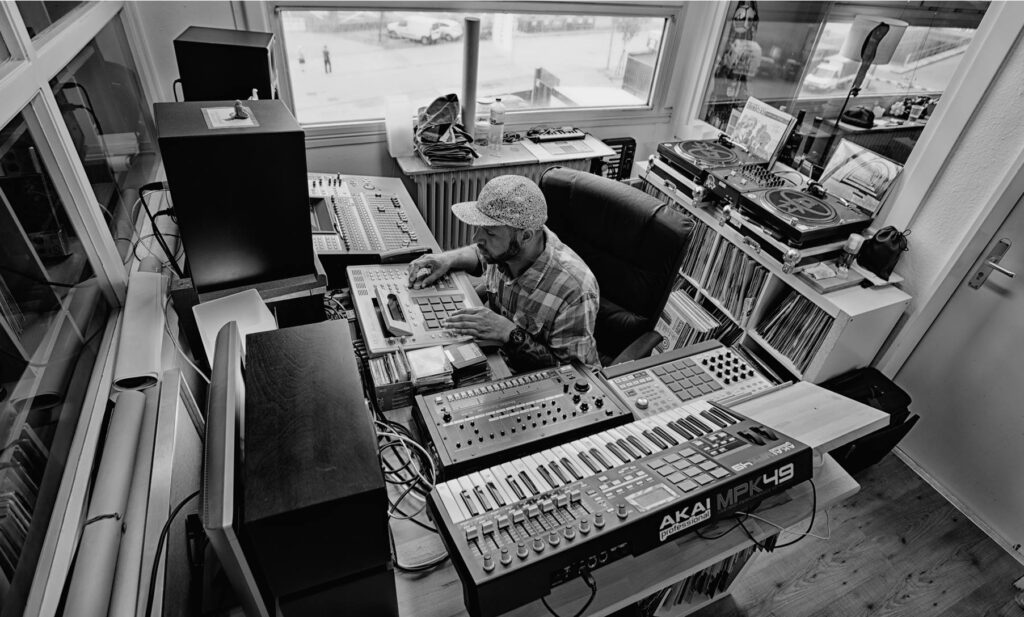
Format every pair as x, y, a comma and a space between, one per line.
450, 29
420, 29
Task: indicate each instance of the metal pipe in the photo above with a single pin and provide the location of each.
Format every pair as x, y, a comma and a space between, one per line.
470, 64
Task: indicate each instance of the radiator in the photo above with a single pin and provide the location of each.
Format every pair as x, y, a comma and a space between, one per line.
436, 192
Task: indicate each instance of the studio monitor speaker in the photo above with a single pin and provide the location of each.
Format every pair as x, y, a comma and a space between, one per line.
216, 64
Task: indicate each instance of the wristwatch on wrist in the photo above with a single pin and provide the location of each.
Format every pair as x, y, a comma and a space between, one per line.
517, 337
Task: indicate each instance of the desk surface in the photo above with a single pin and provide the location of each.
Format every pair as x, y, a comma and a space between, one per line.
804, 411
520, 153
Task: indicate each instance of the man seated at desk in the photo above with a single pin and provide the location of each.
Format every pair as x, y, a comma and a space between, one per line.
540, 299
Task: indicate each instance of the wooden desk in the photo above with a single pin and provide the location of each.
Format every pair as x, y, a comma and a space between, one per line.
804, 411
437, 188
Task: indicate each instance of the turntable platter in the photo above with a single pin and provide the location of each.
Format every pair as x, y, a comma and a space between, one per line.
708, 152
799, 205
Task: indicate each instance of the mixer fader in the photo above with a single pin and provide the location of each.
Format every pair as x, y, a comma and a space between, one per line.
364, 219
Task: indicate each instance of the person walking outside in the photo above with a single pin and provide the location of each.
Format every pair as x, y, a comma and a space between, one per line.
327, 60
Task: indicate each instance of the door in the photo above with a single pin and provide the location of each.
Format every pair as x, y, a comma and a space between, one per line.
966, 378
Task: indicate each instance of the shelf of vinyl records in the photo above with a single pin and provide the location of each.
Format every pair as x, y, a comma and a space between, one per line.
734, 292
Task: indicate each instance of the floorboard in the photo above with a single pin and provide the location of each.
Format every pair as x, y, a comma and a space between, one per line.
897, 549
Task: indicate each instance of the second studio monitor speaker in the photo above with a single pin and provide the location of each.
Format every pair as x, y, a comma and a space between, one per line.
216, 64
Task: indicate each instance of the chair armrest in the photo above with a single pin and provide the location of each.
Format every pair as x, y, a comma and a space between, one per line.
640, 348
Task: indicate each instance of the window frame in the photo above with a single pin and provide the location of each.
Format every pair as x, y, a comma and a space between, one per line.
26, 88
266, 16
25, 85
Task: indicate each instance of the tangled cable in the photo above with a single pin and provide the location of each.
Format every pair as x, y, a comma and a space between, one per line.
408, 466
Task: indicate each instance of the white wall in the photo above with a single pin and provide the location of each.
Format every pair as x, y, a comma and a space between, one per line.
161, 22
991, 143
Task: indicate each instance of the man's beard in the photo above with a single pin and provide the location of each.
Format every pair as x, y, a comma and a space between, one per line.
514, 248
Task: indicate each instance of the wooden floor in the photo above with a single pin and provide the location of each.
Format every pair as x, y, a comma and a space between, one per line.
897, 548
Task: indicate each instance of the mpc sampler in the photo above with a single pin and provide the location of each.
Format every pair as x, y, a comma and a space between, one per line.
392, 316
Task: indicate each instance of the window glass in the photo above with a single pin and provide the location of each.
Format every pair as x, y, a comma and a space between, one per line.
791, 55
5, 54
344, 64
39, 16
101, 101
52, 317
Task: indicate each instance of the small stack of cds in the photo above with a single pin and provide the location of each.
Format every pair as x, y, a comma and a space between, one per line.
469, 364
429, 369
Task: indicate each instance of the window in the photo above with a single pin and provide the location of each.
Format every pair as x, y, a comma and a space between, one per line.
343, 64
922, 64
69, 90
791, 55
101, 102
52, 316
39, 16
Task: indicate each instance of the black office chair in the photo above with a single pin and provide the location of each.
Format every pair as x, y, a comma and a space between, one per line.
633, 244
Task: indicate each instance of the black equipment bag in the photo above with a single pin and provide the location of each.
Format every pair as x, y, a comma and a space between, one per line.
871, 387
881, 251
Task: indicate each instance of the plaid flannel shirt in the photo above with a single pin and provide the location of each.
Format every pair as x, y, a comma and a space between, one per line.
555, 300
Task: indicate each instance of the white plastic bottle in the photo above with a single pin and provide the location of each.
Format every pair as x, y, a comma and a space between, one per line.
845, 259
497, 131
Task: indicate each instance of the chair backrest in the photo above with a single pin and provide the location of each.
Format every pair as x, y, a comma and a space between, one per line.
619, 165
632, 242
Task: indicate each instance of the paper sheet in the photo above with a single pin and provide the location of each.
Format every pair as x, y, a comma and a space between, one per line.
245, 308
89, 591
124, 599
138, 351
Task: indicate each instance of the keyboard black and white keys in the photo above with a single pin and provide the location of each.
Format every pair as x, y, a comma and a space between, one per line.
518, 528
708, 371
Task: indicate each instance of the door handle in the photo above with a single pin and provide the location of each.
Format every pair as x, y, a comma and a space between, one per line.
1000, 269
992, 263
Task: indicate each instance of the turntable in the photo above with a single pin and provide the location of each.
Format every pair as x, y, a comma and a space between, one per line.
688, 163
802, 219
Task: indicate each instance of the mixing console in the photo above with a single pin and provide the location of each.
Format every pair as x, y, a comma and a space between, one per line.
706, 371
728, 184
364, 219
392, 316
516, 529
477, 426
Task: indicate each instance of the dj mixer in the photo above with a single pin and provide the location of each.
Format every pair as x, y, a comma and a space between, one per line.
729, 183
